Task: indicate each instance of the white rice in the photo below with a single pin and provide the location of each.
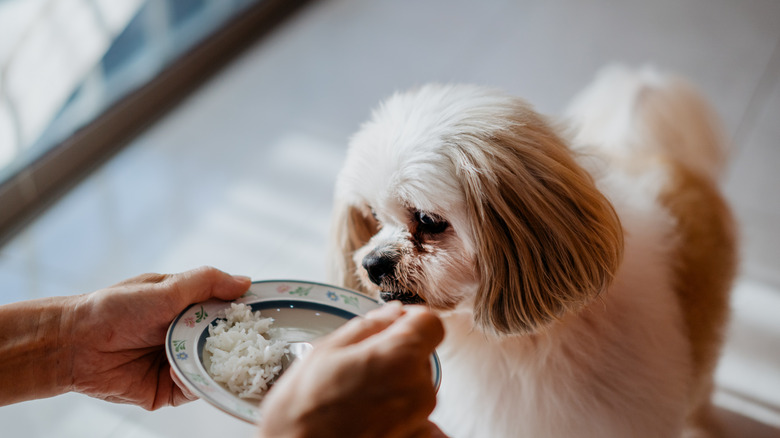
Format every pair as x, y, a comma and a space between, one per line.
243, 359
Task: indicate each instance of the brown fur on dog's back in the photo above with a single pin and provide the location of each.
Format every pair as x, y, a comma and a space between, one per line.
688, 142
706, 255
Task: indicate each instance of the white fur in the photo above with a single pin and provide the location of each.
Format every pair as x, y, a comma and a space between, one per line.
609, 385
620, 367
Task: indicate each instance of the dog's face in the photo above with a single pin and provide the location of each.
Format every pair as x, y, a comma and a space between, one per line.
461, 196
420, 250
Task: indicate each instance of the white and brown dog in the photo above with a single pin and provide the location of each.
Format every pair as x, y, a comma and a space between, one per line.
582, 269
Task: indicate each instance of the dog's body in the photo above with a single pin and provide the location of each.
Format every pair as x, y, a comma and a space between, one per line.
582, 271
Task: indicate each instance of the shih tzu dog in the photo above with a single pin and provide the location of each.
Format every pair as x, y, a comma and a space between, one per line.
581, 267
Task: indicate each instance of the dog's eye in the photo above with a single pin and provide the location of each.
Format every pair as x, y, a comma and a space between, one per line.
373, 221
428, 223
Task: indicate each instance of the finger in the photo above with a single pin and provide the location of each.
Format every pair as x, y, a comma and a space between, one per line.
425, 430
206, 282
420, 432
417, 325
358, 329
435, 431
391, 310
169, 391
185, 395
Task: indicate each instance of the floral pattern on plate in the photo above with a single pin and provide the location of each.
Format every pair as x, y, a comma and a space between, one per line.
186, 335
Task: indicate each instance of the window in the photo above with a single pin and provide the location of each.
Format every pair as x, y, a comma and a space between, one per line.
78, 77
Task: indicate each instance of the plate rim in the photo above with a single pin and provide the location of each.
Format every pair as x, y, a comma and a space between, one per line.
255, 418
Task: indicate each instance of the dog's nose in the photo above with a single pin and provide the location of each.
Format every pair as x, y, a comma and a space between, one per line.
378, 266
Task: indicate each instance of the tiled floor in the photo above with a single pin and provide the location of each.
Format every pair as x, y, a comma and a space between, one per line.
240, 175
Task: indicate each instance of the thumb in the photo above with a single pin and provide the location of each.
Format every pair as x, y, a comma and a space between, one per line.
206, 282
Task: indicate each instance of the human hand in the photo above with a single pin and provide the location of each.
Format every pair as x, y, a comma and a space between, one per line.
115, 336
371, 377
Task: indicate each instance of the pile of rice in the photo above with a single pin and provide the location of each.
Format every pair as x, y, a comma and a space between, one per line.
242, 358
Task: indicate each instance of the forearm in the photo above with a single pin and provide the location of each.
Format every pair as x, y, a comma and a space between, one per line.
34, 362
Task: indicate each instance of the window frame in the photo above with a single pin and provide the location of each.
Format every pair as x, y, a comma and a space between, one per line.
26, 194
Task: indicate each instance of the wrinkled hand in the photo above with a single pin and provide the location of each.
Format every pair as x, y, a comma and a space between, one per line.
116, 335
372, 377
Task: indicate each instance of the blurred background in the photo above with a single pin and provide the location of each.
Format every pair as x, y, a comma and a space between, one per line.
161, 135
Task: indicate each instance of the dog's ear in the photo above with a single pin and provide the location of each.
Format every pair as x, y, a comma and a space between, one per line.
547, 240
351, 228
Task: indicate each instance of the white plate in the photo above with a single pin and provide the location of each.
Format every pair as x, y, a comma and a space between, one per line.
302, 311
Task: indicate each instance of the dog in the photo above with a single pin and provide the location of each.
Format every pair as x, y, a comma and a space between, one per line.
581, 266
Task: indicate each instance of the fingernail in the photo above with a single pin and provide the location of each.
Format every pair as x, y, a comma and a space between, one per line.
242, 279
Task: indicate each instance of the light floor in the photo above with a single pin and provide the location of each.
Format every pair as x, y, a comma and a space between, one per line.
240, 175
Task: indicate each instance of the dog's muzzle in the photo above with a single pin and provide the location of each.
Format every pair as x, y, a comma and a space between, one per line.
404, 297
380, 266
